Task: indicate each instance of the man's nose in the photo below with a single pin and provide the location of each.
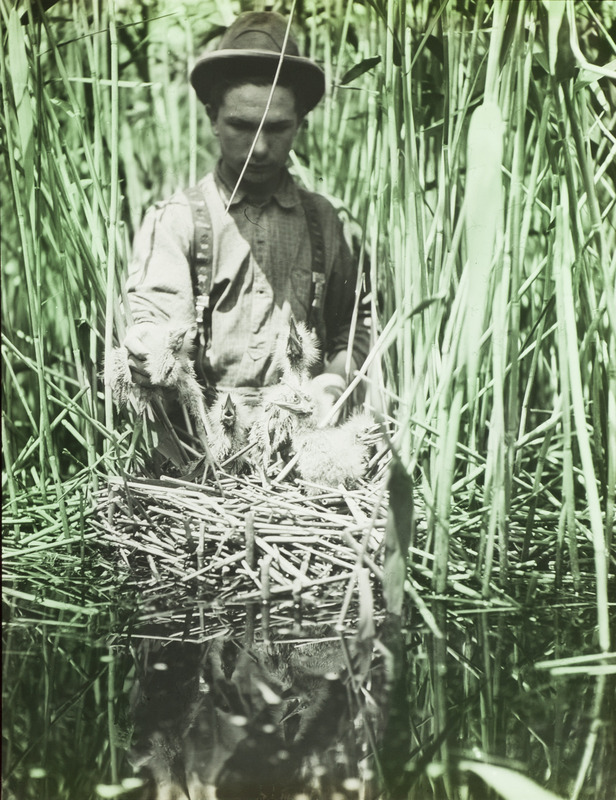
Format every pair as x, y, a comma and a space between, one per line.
260, 148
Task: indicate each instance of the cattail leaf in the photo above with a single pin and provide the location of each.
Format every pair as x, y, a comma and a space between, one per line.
508, 36
557, 35
394, 574
381, 8
352, 37
566, 64
397, 535
435, 46
588, 77
365, 627
18, 59
483, 223
359, 69
400, 514
555, 11
19, 70
423, 304
509, 784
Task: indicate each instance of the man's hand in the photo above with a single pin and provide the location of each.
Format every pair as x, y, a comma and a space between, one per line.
141, 341
326, 389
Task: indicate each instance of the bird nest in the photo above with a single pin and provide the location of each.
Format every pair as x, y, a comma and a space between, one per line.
236, 549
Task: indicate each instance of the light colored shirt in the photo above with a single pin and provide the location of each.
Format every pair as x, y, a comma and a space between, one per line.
261, 273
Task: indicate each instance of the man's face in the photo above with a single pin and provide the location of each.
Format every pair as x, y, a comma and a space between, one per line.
236, 124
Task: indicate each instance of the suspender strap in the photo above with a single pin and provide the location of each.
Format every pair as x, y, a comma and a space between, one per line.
201, 261
317, 245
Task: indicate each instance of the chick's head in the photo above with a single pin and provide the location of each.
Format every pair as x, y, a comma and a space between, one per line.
285, 409
229, 425
229, 416
228, 413
296, 403
297, 352
168, 354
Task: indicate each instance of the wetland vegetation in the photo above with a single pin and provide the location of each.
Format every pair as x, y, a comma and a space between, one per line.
445, 631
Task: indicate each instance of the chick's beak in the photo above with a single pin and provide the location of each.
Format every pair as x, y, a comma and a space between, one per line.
299, 406
294, 345
228, 411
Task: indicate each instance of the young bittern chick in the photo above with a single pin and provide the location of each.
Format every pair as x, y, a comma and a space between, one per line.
229, 421
168, 365
331, 456
273, 429
297, 353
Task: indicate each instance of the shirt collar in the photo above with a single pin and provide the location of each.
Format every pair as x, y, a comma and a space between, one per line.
286, 195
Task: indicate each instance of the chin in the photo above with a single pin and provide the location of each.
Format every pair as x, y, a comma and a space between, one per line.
259, 175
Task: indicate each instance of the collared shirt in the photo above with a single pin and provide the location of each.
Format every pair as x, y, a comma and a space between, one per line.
261, 274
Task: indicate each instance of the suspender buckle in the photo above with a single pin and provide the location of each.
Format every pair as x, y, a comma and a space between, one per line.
318, 283
202, 312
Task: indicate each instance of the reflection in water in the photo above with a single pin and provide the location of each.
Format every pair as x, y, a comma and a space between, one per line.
307, 711
269, 720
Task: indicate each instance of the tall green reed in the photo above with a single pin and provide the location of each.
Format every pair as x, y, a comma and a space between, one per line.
491, 374
84, 157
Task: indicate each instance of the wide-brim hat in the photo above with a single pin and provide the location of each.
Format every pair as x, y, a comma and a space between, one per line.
251, 46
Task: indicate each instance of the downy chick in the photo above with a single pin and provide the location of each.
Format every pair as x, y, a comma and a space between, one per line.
294, 357
229, 432
167, 362
273, 429
168, 366
118, 377
297, 353
331, 456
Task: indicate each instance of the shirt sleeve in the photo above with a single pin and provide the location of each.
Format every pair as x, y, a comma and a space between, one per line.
340, 290
159, 285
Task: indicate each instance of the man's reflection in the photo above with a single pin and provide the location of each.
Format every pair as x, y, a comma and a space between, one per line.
276, 720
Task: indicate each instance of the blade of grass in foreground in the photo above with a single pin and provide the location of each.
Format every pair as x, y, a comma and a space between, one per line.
509, 784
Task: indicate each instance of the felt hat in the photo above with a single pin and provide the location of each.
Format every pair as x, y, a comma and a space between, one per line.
250, 47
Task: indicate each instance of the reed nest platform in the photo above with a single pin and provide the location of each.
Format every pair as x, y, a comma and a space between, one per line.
238, 548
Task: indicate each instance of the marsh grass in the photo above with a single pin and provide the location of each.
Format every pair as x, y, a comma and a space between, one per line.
471, 146
498, 285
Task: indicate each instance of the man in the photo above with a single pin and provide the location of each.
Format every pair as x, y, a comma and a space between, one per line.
233, 259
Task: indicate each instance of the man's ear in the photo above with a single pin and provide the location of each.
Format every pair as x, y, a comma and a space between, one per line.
213, 117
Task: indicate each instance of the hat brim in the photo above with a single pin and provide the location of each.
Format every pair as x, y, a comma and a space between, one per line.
220, 65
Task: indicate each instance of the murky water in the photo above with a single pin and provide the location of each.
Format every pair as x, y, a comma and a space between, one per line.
138, 705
